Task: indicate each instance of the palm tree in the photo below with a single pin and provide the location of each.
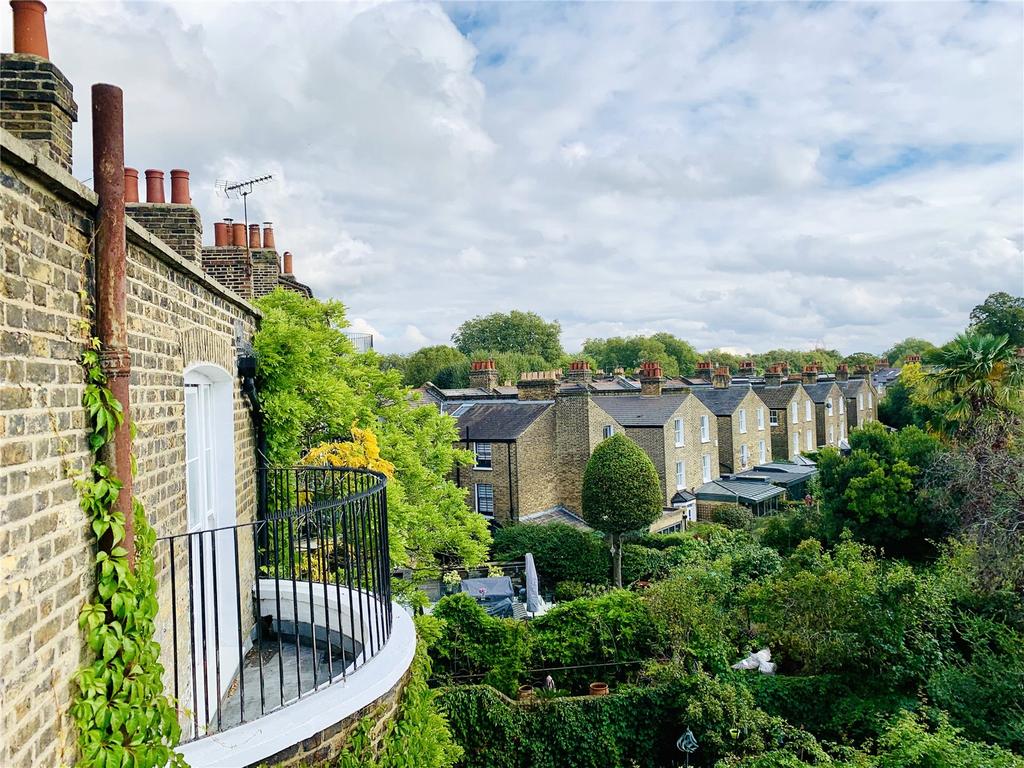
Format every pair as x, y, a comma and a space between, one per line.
976, 375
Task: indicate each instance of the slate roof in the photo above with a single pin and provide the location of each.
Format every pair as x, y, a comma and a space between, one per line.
820, 391
777, 398
489, 420
751, 491
557, 514
640, 411
721, 402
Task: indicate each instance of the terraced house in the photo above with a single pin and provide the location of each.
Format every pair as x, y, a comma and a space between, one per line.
175, 322
860, 395
788, 404
741, 422
829, 407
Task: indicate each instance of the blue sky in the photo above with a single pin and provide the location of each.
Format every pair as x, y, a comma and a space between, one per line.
747, 176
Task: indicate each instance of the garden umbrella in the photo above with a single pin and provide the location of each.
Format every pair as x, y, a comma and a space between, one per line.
534, 602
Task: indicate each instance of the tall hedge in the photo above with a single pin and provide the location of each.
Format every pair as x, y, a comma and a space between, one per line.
561, 552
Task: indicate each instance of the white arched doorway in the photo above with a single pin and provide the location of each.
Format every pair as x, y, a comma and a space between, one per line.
210, 501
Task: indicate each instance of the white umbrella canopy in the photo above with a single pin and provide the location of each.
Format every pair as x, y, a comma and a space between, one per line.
534, 602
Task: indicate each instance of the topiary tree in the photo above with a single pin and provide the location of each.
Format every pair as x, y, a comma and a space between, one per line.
621, 493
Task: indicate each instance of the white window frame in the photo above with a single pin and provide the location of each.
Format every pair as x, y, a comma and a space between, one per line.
476, 498
871, 400
680, 433
607, 431
808, 410
705, 428
762, 452
744, 456
809, 439
680, 475
743, 421
705, 466
795, 412
860, 401
760, 419
796, 441
831, 434
773, 418
842, 405
828, 406
489, 457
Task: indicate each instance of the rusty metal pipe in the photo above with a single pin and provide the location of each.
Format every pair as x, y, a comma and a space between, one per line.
111, 301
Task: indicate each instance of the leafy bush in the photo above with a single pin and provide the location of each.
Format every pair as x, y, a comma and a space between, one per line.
561, 552
733, 516
471, 643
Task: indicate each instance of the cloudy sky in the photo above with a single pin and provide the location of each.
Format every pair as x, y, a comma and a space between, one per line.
747, 176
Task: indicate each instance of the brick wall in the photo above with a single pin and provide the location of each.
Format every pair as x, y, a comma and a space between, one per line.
37, 105
497, 476
177, 316
266, 269
229, 266
751, 438
827, 421
692, 451
536, 478
179, 226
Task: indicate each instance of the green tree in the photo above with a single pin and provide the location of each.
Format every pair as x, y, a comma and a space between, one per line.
977, 376
875, 491
911, 345
1000, 315
629, 352
681, 351
860, 358
524, 332
313, 388
621, 493
425, 364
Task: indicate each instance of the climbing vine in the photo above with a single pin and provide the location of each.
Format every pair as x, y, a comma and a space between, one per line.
123, 717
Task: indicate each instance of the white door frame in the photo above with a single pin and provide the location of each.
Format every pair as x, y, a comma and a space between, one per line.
210, 500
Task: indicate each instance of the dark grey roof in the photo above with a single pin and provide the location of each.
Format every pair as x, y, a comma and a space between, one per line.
778, 467
557, 514
751, 491
820, 391
850, 387
490, 420
683, 497
777, 398
640, 411
614, 384
721, 402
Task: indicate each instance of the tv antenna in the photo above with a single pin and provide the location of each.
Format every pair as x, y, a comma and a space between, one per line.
243, 188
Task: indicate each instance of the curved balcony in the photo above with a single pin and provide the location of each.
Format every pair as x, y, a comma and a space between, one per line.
274, 621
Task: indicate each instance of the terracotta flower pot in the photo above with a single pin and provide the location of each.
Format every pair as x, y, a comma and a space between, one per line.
599, 689
525, 692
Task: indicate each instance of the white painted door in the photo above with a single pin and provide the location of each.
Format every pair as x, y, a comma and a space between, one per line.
214, 626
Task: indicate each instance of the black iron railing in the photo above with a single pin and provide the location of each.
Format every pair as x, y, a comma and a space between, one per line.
266, 612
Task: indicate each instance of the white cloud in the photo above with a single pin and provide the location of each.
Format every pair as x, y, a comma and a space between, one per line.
745, 176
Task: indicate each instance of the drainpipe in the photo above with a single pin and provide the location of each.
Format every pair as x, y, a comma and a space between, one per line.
111, 264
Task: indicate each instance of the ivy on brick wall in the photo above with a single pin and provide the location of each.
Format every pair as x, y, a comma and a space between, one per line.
124, 719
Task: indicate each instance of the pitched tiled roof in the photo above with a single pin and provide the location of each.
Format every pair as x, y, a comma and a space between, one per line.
777, 398
721, 402
850, 387
641, 411
820, 391
489, 420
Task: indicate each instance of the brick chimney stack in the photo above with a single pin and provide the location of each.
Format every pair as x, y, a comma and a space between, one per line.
881, 363
773, 376
842, 372
705, 369
651, 379
783, 367
579, 370
177, 223
748, 369
810, 374
912, 359
721, 379
483, 374
538, 385
860, 371
37, 105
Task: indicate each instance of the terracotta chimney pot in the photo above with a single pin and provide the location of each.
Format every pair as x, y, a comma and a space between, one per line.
238, 234
254, 236
179, 187
288, 263
131, 185
154, 186
229, 238
30, 28
268, 236
220, 233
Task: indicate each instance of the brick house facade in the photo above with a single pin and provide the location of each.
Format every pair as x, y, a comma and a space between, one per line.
742, 425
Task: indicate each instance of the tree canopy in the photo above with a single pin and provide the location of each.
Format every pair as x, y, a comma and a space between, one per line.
523, 332
897, 353
314, 388
621, 492
1000, 315
425, 364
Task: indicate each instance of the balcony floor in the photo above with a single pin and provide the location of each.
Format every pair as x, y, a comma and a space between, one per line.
276, 667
